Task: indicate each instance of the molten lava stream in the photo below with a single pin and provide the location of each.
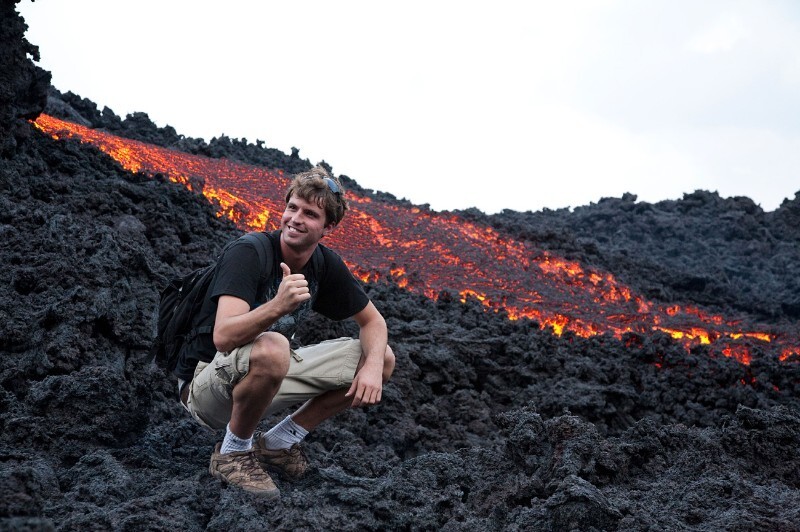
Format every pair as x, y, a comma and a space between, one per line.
428, 252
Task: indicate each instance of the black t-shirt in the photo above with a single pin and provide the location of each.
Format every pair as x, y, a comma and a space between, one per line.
335, 293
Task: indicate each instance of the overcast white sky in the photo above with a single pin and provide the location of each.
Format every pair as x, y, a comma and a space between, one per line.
496, 104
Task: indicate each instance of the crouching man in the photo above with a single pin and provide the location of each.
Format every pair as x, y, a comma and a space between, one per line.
244, 369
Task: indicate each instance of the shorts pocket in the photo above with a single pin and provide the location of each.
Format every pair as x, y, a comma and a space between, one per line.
200, 367
196, 415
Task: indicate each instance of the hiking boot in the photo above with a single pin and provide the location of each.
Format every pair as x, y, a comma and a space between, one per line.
290, 463
242, 470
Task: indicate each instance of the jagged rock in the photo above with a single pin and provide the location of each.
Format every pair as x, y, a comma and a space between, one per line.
487, 424
23, 85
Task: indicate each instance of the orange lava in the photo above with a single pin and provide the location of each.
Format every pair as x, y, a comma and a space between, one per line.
427, 253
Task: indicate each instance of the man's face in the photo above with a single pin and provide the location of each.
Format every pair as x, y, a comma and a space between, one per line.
303, 224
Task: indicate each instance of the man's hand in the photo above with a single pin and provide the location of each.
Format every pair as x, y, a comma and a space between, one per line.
292, 291
367, 386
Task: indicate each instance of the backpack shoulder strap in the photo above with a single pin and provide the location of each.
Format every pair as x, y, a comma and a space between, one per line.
319, 262
262, 243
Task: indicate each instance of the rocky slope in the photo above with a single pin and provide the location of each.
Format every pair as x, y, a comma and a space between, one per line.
487, 424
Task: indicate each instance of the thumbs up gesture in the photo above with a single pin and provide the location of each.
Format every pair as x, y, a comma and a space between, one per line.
292, 291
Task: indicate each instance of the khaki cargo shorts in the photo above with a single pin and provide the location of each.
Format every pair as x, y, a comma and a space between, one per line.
313, 370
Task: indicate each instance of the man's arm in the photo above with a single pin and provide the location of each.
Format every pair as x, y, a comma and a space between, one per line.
368, 382
236, 324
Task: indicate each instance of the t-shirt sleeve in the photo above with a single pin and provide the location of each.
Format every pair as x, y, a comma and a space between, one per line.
340, 294
238, 274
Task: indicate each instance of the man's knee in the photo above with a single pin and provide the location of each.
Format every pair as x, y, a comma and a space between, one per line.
270, 355
388, 364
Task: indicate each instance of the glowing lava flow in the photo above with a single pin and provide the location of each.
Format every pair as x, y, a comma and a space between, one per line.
428, 252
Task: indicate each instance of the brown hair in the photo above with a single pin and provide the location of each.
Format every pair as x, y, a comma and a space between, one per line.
312, 186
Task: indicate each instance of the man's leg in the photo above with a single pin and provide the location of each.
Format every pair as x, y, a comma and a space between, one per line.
269, 363
264, 369
324, 406
279, 449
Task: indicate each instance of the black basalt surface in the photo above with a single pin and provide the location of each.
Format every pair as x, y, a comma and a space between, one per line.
487, 424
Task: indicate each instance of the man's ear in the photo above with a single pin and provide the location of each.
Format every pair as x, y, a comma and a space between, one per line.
328, 229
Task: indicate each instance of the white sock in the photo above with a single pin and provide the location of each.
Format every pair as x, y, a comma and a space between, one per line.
284, 434
233, 443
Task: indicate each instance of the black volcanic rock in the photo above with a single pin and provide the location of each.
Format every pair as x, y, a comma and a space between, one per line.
138, 126
23, 85
488, 424
726, 254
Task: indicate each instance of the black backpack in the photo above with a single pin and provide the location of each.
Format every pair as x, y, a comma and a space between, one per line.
181, 300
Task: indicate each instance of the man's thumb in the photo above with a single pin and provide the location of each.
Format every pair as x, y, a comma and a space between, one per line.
286, 270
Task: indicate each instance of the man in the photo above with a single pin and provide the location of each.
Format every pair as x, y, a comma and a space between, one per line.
245, 370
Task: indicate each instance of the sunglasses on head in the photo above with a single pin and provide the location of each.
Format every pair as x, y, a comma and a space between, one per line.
332, 185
